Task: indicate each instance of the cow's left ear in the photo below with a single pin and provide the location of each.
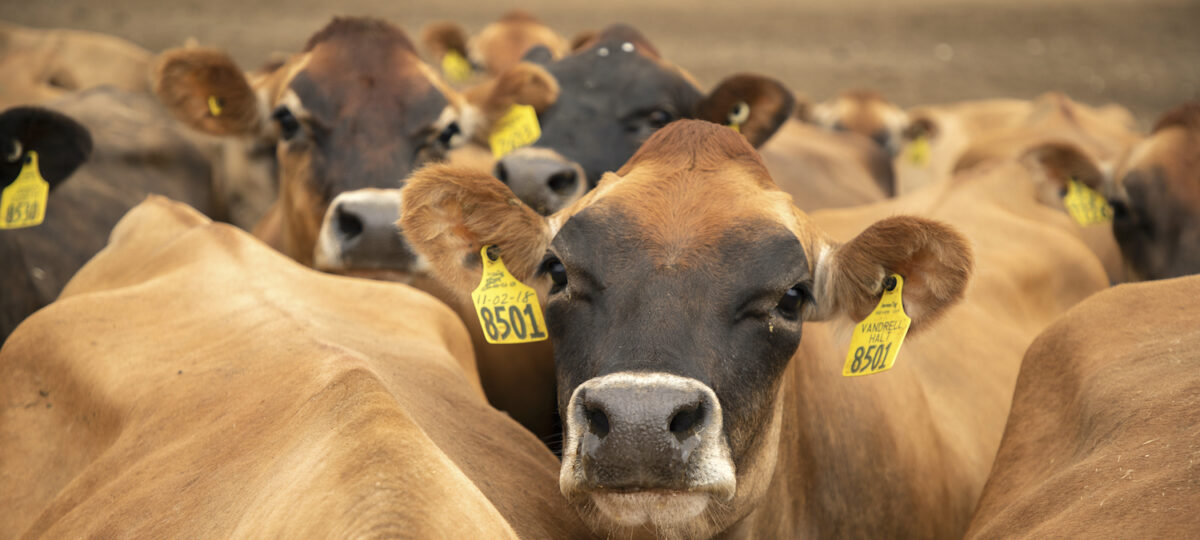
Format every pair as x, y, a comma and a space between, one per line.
757, 106
61, 143
934, 260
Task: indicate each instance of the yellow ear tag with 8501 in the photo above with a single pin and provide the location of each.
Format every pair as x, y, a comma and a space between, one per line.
518, 127
1086, 205
23, 202
508, 310
455, 67
877, 339
917, 151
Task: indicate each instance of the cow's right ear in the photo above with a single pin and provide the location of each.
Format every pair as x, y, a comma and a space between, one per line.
758, 106
523, 84
206, 90
448, 214
441, 37
1055, 164
62, 144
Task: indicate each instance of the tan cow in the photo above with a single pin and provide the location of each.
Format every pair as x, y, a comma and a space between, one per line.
39, 65
864, 112
1104, 436
959, 136
1156, 198
191, 382
356, 109
699, 391
498, 46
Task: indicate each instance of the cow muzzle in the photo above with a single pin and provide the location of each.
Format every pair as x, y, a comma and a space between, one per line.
542, 178
646, 448
359, 233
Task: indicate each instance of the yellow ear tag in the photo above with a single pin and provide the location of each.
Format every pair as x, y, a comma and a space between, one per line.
508, 310
877, 339
738, 115
215, 105
917, 151
518, 127
1086, 205
455, 67
23, 202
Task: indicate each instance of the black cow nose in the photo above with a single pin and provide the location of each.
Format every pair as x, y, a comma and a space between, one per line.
642, 436
360, 233
564, 182
348, 225
540, 178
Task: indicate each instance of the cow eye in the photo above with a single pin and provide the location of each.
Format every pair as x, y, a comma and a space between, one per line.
288, 124
448, 134
557, 272
793, 300
659, 118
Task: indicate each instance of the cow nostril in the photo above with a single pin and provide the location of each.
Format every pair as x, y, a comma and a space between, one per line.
686, 420
1120, 210
563, 182
349, 226
597, 420
501, 173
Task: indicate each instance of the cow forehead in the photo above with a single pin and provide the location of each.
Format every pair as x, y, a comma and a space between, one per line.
619, 69
370, 78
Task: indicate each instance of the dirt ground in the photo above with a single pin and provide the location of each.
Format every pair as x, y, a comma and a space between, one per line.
1144, 54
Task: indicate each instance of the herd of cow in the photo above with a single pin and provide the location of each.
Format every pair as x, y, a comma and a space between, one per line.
702, 258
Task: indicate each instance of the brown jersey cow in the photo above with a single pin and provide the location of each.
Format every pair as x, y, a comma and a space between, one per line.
1103, 440
192, 382
701, 322
356, 109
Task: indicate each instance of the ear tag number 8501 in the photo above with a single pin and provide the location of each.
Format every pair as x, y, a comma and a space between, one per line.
877, 339
508, 310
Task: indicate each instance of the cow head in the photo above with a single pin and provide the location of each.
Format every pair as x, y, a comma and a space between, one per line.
356, 109
600, 103
866, 113
61, 143
676, 293
1156, 198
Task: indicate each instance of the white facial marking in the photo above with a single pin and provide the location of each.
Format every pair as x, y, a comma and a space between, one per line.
627, 47
603, 51
327, 255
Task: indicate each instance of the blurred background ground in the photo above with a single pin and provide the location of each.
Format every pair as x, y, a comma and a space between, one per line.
1144, 54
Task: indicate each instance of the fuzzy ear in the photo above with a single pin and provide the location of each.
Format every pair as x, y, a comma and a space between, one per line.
522, 84
583, 40
934, 260
757, 105
62, 143
1054, 164
206, 90
441, 37
449, 213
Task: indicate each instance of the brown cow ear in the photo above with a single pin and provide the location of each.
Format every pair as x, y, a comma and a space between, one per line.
441, 37
583, 39
1055, 164
449, 213
934, 260
757, 105
206, 90
523, 84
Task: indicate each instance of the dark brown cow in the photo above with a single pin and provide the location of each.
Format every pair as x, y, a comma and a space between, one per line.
356, 109
1156, 198
1104, 436
138, 150
699, 392
191, 382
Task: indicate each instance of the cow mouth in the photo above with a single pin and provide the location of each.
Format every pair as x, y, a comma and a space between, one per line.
658, 508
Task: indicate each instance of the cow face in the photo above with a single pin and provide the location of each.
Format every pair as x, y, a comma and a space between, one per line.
1156, 198
599, 104
62, 144
865, 113
356, 109
676, 294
